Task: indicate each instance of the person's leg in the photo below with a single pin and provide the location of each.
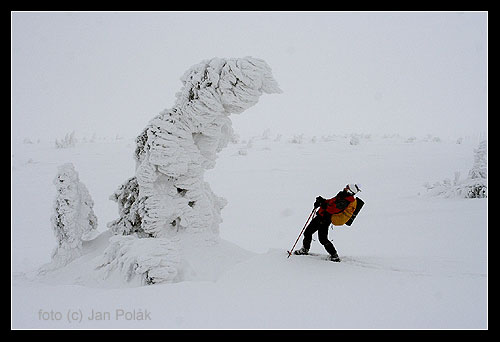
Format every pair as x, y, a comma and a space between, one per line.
310, 230
327, 244
308, 233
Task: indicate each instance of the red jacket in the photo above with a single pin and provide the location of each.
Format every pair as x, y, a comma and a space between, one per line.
336, 204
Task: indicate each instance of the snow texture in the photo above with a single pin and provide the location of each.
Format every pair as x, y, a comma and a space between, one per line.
73, 220
143, 258
168, 194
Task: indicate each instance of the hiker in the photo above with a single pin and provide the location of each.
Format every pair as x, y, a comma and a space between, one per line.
338, 210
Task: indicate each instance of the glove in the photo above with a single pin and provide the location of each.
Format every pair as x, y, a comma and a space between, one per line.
320, 201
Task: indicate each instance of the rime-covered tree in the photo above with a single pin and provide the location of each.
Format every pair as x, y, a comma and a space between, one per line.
479, 168
474, 186
168, 195
73, 219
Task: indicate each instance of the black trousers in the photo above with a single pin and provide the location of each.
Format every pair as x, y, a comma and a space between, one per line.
321, 225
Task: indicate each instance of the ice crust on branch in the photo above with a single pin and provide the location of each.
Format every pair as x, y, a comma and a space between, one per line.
168, 194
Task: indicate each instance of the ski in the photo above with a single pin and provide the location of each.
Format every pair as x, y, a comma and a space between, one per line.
315, 255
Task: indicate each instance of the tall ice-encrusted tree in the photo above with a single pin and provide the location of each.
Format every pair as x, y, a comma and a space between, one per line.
167, 195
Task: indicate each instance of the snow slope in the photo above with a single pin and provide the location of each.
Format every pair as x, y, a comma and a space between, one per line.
409, 260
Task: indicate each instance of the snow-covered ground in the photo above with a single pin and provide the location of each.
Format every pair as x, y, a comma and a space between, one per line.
410, 260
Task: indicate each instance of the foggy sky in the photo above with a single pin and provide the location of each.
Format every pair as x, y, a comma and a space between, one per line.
109, 73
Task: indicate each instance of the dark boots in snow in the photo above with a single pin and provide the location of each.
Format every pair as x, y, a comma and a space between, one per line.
335, 257
302, 251
305, 251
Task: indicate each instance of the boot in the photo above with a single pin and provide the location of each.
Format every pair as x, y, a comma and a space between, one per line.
302, 251
335, 257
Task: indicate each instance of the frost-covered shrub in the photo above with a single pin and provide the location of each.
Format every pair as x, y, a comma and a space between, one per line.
328, 138
479, 168
474, 186
266, 134
69, 140
354, 140
73, 220
477, 181
297, 139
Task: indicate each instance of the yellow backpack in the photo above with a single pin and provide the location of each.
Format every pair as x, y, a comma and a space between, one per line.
351, 211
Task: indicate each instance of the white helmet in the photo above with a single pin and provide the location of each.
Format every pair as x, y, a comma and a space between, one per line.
353, 188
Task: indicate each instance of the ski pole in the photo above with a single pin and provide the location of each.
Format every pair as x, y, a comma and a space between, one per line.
291, 250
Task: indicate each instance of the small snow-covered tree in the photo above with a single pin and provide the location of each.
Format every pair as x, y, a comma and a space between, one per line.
354, 139
73, 220
297, 139
69, 140
479, 168
474, 186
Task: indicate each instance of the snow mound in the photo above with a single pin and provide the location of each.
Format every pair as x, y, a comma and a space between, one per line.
112, 261
153, 260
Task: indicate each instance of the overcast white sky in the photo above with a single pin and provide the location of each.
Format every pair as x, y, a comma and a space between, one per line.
109, 73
